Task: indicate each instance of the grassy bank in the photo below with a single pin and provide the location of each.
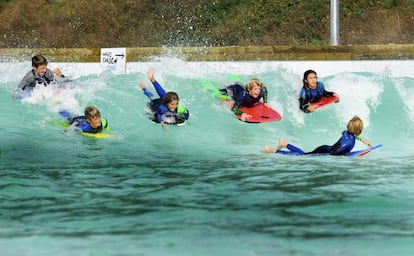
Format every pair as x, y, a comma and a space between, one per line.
200, 23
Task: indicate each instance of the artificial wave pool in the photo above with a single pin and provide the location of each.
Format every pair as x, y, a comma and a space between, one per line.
206, 188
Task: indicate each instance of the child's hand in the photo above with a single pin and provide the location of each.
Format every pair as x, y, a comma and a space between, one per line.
311, 109
151, 74
164, 125
267, 105
366, 142
141, 85
57, 72
245, 116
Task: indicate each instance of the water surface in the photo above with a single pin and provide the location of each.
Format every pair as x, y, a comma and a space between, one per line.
206, 188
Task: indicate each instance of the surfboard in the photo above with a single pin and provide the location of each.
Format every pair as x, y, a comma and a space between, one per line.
356, 153
363, 152
325, 101
260, 114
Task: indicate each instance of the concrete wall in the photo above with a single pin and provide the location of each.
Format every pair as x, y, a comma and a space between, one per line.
236, 53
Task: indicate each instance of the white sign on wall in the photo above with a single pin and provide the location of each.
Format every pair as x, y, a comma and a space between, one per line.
114, 60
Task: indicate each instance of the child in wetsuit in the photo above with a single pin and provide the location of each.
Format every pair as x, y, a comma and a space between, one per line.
246, 97
312, 91
166, 108
39, 74
342, 147
91, 122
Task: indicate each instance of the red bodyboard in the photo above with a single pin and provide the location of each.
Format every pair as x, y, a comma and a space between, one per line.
260, 114
325, 101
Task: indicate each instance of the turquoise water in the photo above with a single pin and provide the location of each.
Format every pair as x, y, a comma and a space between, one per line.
206, 188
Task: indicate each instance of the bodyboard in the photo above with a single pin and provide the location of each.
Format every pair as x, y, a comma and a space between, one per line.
95, 135
65, 125
260, 114
324, 101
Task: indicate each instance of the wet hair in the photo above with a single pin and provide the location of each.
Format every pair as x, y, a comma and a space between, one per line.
169, 97
306, 74
252, 83
92, 112
355, 126
38, 60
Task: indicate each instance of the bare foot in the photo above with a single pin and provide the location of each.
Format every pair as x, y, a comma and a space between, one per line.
268, 149
282, 143
151, 74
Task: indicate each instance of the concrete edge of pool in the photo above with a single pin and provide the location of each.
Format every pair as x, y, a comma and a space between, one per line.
233, 53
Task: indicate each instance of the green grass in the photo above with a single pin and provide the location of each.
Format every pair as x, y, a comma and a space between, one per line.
148, 23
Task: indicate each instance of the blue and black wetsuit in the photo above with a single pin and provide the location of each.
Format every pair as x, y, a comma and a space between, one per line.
81, 124
342, 147
242, 98
308, 95
160, 112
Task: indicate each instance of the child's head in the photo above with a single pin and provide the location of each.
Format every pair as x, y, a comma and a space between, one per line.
254, 87
93, 116
171, 100
39, 64
355, 126
310, 78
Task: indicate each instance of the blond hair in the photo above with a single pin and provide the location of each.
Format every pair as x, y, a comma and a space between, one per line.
355, 126
252, 83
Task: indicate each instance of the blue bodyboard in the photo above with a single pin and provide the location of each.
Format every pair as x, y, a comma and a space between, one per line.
356, 153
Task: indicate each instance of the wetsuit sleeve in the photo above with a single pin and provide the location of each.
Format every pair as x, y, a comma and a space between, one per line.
27, 82
303, 105
236, 109
161, 110
66, 114
147, 93
264, 89
325, 93
159, 118
50, 76
160, 91
303, 101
